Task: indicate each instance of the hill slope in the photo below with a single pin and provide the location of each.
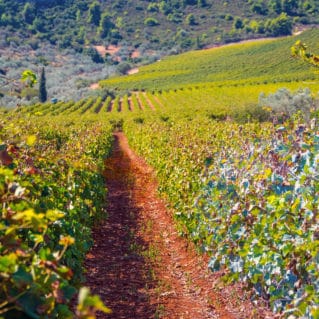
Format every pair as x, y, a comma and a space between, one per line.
247, 63
177, 25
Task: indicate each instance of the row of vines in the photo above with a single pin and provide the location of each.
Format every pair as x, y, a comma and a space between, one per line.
236, 101
91, 106
245, 194
52, 192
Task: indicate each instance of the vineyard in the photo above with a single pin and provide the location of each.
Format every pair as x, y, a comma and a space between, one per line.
252, 63
214, 101
52, 193
241, 185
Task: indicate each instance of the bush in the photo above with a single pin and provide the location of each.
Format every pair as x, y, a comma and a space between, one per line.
281, 25
252, 113
283, 103
190, 19
29, 93
150, 22
123, 68
152, 7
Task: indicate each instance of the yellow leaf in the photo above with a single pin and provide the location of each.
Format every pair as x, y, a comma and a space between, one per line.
31, 139
54, 215
66, 240
268, 172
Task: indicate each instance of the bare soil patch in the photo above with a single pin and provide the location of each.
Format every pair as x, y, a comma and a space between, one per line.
140, 266
130, 103
111, 49
139, 102
94, 86
110, 107
135, 54
149, 101
133, 71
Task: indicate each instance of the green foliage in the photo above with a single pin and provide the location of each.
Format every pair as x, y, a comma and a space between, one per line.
238, 23
259, 7
190, 19
249, 63
29, 13
29, 93
150, 22
123, 68
246, 194
94, 14
281, 25
60, 22
52, 191
153, 7
106, 25
275, 6
88, 305
299, 50
29, 78
261, 220
202, 3
94, 54
290, 6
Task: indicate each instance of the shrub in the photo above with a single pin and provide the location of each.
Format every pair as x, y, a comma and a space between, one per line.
123, 68
283, 103
190, 19
152, 7
150, 22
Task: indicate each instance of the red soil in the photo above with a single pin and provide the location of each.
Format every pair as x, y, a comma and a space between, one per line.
149, 101
139, 265
139, 102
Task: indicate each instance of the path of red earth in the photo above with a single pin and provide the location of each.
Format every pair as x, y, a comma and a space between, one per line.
158, 101
139, 265
110, 106
139, 102
131, 104
149, 101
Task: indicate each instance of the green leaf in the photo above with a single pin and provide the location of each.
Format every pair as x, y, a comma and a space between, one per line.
64, 312
8, 263
29, 303
68, 291
286, 249
22, 278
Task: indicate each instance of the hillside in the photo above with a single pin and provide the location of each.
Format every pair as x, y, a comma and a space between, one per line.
257, 62
82, 42
164, 26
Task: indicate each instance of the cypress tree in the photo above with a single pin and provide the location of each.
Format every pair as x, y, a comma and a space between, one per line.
42, 88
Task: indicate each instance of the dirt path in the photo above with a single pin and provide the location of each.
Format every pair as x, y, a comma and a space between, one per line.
149, 102
130, 103
139, 102
110, 106
140, 266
